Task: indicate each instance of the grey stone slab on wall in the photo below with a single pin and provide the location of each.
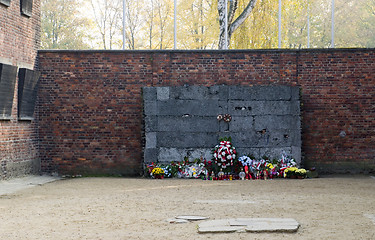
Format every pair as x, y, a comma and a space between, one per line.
149, 93
263, 107
151, 108
182, 121
277, 122
199, 93
171, 154
151, 155
277, 138
187, 124
268, 93
191, 107
186, 140
151, 123
162, 93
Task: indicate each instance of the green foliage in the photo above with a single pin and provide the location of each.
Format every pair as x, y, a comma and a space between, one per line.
62, 25
225, 139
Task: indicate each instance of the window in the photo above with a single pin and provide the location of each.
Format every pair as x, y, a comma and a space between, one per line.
27, 93
5, 2
8, 75
26, 7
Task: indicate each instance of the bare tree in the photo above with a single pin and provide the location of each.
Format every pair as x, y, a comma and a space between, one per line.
232, 24
150, 22
107, 15
164, 10
134, 22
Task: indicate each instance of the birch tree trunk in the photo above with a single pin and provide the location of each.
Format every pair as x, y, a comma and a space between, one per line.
232, 24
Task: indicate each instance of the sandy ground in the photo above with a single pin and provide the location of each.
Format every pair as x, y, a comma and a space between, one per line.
121, 208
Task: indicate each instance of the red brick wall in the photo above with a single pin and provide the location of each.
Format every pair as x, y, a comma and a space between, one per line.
19, 41
90, 104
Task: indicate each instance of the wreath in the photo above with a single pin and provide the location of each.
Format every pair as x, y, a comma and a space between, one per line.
227, 118
224, 154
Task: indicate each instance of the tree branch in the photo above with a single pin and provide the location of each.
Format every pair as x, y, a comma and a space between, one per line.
246, 13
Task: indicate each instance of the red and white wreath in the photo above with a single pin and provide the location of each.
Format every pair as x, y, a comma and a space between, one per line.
224, 154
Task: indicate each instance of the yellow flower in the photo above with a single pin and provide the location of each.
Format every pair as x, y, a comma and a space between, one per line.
291, 169
157, 171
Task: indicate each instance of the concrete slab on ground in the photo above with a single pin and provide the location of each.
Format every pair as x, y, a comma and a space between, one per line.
192, 217
175, 220
370, 216
17, 184
249, 225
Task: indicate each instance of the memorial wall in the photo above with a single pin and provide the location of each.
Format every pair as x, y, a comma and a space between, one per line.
91, 105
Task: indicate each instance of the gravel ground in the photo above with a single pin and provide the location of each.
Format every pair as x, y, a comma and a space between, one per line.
332, 207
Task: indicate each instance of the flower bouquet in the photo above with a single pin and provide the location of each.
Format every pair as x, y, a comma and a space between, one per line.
224, 154
301, 173
290, 172
157, 173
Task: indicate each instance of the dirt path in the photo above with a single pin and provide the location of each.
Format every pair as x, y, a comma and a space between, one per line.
120, 208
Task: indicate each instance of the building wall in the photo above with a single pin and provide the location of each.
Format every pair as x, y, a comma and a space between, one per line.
90, 103
19, 41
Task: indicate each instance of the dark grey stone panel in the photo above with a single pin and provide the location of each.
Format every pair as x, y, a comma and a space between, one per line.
187, 124
295, 93
295, 138
199, 93
178, 154
245, 108
249, 151
151, 123
151, 155
191, 107
162, 93
224, 127
151, 140
242, 108
260, 93
273, 138
188, 93
182, 121
149, 93
150, 108
186, 140
277, 122
243, 139
295, 108
274, 152
241, 123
